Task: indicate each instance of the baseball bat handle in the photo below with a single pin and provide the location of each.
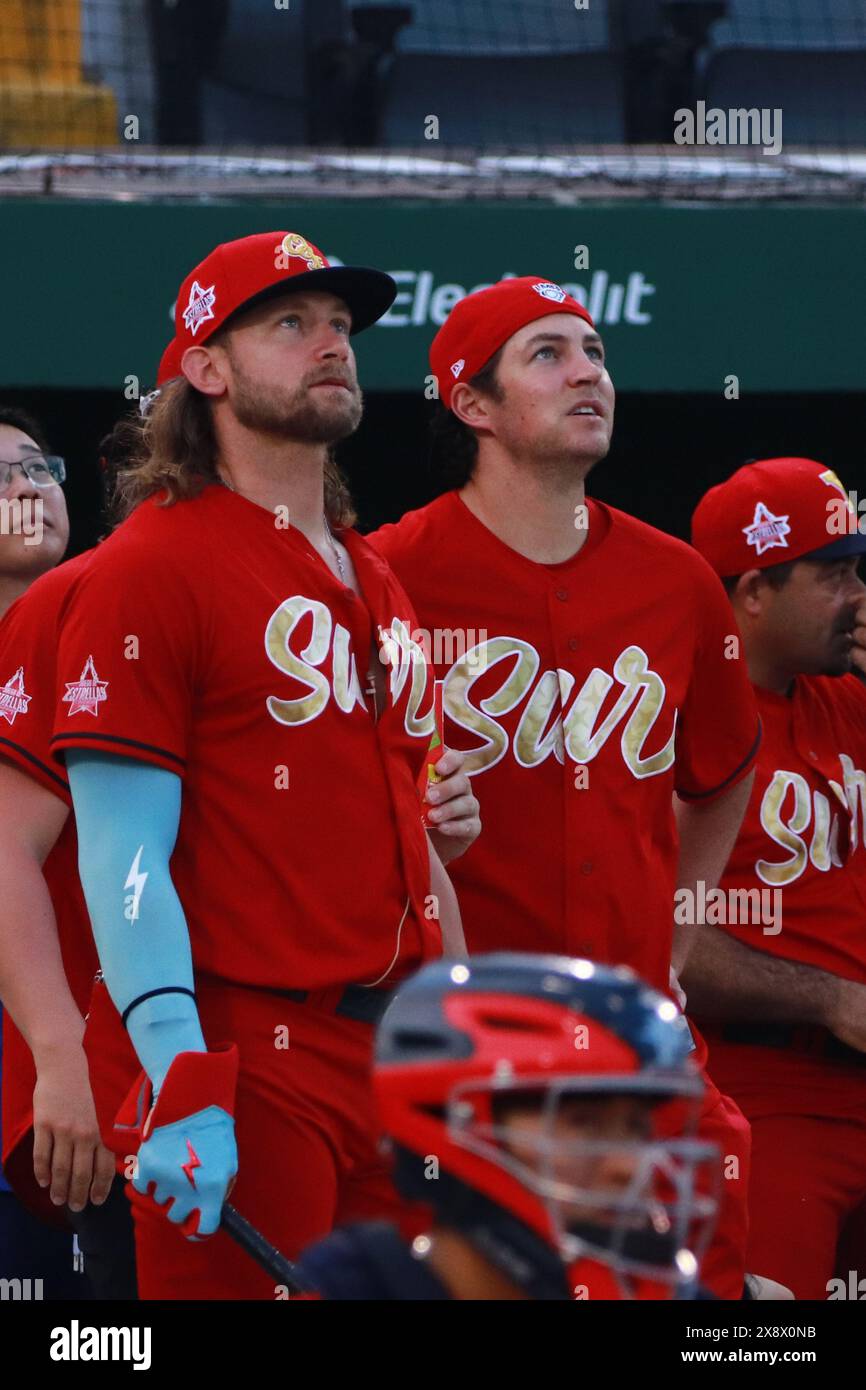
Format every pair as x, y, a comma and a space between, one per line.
259, 1248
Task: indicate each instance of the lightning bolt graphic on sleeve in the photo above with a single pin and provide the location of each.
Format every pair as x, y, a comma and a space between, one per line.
136, 881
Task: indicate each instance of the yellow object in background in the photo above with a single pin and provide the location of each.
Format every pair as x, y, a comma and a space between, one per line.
428, 772
44, 100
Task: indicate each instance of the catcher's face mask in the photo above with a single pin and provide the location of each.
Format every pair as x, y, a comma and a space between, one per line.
593, 1154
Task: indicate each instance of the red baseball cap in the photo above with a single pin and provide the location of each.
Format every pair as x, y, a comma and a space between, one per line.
238, 274
772, 511
478, 325
169, 363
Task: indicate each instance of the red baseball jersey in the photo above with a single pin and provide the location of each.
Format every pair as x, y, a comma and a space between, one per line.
208, 637
28, 654
801, 850
584, 693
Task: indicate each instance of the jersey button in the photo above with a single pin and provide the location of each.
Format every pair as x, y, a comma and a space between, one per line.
562, 595
586, 866
572, 644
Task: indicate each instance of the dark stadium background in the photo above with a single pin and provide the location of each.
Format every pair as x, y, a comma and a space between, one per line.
667, 449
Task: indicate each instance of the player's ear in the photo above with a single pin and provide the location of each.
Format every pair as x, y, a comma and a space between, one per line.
469, 405
750, 592
205, 368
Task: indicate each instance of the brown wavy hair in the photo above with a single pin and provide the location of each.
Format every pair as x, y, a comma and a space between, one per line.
173, 449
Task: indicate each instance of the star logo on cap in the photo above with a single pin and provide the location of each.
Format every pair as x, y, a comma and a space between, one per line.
767, 530
83, 696
550, 291
13, 700
457, 367
200, 307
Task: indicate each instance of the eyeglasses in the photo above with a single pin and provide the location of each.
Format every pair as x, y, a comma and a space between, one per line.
42, 470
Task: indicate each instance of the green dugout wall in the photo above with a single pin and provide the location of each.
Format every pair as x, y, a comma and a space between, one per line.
686, 297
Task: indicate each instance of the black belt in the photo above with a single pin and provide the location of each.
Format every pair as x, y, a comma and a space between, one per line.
358, 1002
818, 1042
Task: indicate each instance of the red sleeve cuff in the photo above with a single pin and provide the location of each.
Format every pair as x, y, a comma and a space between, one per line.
44, 773
123, 747
731, 780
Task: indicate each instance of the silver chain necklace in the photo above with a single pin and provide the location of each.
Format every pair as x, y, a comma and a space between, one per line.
328, 532
337, 556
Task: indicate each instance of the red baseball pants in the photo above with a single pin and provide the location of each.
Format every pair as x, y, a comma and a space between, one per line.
808, 1185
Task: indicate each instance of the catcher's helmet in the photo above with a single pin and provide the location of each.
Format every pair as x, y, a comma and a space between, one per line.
461, 1043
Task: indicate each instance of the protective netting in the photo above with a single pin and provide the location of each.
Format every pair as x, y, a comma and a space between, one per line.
565, 98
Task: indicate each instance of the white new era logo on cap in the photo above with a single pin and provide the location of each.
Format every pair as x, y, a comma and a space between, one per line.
457, 367
549, 291
767, 530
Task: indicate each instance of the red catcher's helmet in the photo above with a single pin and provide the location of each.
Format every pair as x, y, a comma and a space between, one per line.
459, 1040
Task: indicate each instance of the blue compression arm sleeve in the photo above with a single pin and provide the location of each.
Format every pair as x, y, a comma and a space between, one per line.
127, 815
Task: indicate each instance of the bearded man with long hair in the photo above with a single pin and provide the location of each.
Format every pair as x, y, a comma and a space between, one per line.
244, 773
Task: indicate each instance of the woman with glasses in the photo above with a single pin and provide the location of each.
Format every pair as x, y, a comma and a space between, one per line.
34, 525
